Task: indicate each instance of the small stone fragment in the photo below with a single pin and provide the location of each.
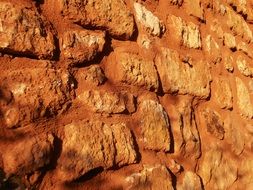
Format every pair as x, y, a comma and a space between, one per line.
228, 63
155, 126
28, 155
151, 177
148, 20
243, 99
244, 67
92, 144
81, 45
94, 74
229, 41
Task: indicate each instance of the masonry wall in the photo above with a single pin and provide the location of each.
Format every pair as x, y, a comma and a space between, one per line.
126, 94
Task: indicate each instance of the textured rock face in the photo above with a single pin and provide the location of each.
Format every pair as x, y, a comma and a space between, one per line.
151, 177
37, 90
214, 125
126, 94
132, 69
155, 126
187, 33
24, 31
243, 101
150, 22
178, 77
108, 102
112, 15
81, 45
28, 155
92, 144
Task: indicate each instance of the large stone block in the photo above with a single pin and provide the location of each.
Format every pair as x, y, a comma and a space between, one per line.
92, 144
155, 126
112, 15
182, 78
23, 31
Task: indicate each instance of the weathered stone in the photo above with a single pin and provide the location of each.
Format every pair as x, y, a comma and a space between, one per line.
148, 20
244, 67
144, 41
223, 93
228, 63
214, 124
151, 177
92, 144
24, 31
229, 41
218, 171
94, 74
106, 102
185, 133
212, 48
111, 15
38, 90
243, 99
191, 181
245, 48
238, 25
194, 8
81, 45
28, 154
132, 69
187, 34
241, 6
245, 171
234, 135
178, 77
155, 126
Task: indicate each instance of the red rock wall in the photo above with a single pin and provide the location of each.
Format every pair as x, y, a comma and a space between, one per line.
125, 94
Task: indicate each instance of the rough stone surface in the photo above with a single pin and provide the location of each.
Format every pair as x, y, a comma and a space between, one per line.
158, 92
23, 31
191, 181
214, 125
243, 99
92, 144
38, 90
155, 126
194, 8
187, 33
111, 15
151, 177
28, 155
132, 69
107, 102
218, 171
223, 93
81, 45
244, 67
178, 77
148, 20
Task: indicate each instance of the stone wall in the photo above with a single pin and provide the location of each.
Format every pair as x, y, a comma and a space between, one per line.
126, 94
